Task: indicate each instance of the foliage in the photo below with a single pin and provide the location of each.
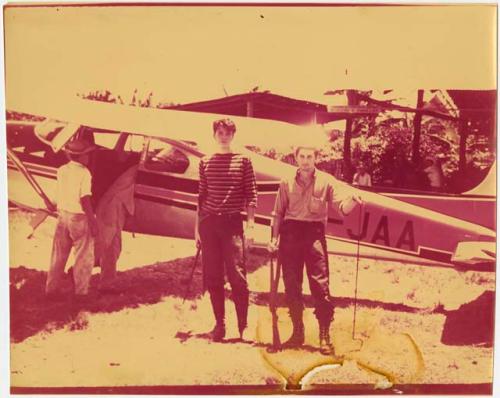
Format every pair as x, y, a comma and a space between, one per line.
11, 115
382, 143
135, 100
386, 150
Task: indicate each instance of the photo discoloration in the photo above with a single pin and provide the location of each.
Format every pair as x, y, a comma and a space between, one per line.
273, 198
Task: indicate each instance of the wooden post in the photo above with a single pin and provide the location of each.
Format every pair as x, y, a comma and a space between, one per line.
417, 124
464, 132
352, 99
314, 118
347, 149
249, 108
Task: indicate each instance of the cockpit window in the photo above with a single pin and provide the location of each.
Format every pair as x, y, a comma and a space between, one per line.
47, 134
105, 139
164, 157
134, 143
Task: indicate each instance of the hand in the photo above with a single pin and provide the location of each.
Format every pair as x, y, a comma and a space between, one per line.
272, 246
356, 198
349, 205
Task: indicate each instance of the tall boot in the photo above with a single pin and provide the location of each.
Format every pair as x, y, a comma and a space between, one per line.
297, 338
219, 331
325, 346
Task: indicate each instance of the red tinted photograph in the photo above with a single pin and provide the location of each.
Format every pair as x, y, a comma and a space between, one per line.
251, 199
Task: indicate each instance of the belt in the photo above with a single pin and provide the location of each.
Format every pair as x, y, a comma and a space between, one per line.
305, 222
225, 214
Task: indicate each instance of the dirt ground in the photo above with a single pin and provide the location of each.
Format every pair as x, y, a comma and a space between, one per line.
145, 334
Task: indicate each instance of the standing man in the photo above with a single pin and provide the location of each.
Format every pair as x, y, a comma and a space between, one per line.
361, 177
115, 206
300, 217
227, 187
76, 223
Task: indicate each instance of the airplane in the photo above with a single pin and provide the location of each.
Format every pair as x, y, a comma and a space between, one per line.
432, 229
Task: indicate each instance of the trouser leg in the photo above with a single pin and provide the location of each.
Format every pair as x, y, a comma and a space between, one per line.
111, 221
108, 259
291, 256
316, 259
233, 252
84, 252
213, 266
61, 248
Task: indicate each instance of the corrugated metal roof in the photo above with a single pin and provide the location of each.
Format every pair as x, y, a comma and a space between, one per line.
266, 105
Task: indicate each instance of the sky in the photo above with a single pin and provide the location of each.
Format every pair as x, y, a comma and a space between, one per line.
186, 54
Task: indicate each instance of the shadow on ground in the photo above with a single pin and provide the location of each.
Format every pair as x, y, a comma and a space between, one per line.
183, 337
31, 312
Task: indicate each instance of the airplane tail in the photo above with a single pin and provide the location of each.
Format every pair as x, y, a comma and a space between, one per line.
488, 185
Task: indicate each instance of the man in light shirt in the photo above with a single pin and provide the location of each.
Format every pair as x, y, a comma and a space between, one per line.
434, 173
76, 223
362, 178
300, 217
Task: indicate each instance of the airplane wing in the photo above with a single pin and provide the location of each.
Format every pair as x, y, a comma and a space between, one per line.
22, 123
172, 124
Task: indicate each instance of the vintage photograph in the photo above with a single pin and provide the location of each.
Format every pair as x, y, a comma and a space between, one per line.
251, 198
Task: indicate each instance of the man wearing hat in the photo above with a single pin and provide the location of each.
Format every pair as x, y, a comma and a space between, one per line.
227, 187
300, 217
76, 223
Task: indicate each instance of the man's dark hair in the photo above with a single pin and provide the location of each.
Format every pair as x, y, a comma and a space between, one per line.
298, 148
227, 123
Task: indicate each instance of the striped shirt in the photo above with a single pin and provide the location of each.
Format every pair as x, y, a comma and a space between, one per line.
227, 184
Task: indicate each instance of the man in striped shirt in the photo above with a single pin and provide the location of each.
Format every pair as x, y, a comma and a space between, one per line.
227, 187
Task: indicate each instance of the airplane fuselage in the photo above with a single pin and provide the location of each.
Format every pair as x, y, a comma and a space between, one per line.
166, 203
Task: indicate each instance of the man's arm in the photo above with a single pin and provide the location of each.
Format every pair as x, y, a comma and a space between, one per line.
202, 185
250, 191
249, 185
276, 228
85, 201
343, 198
202, 194
250, 217
279, 211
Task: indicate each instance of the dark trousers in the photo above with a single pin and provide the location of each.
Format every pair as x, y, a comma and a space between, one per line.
223, 252
302, 243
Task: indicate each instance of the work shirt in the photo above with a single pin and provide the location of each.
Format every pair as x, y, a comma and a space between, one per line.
309, 203
73, 183
227, 184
